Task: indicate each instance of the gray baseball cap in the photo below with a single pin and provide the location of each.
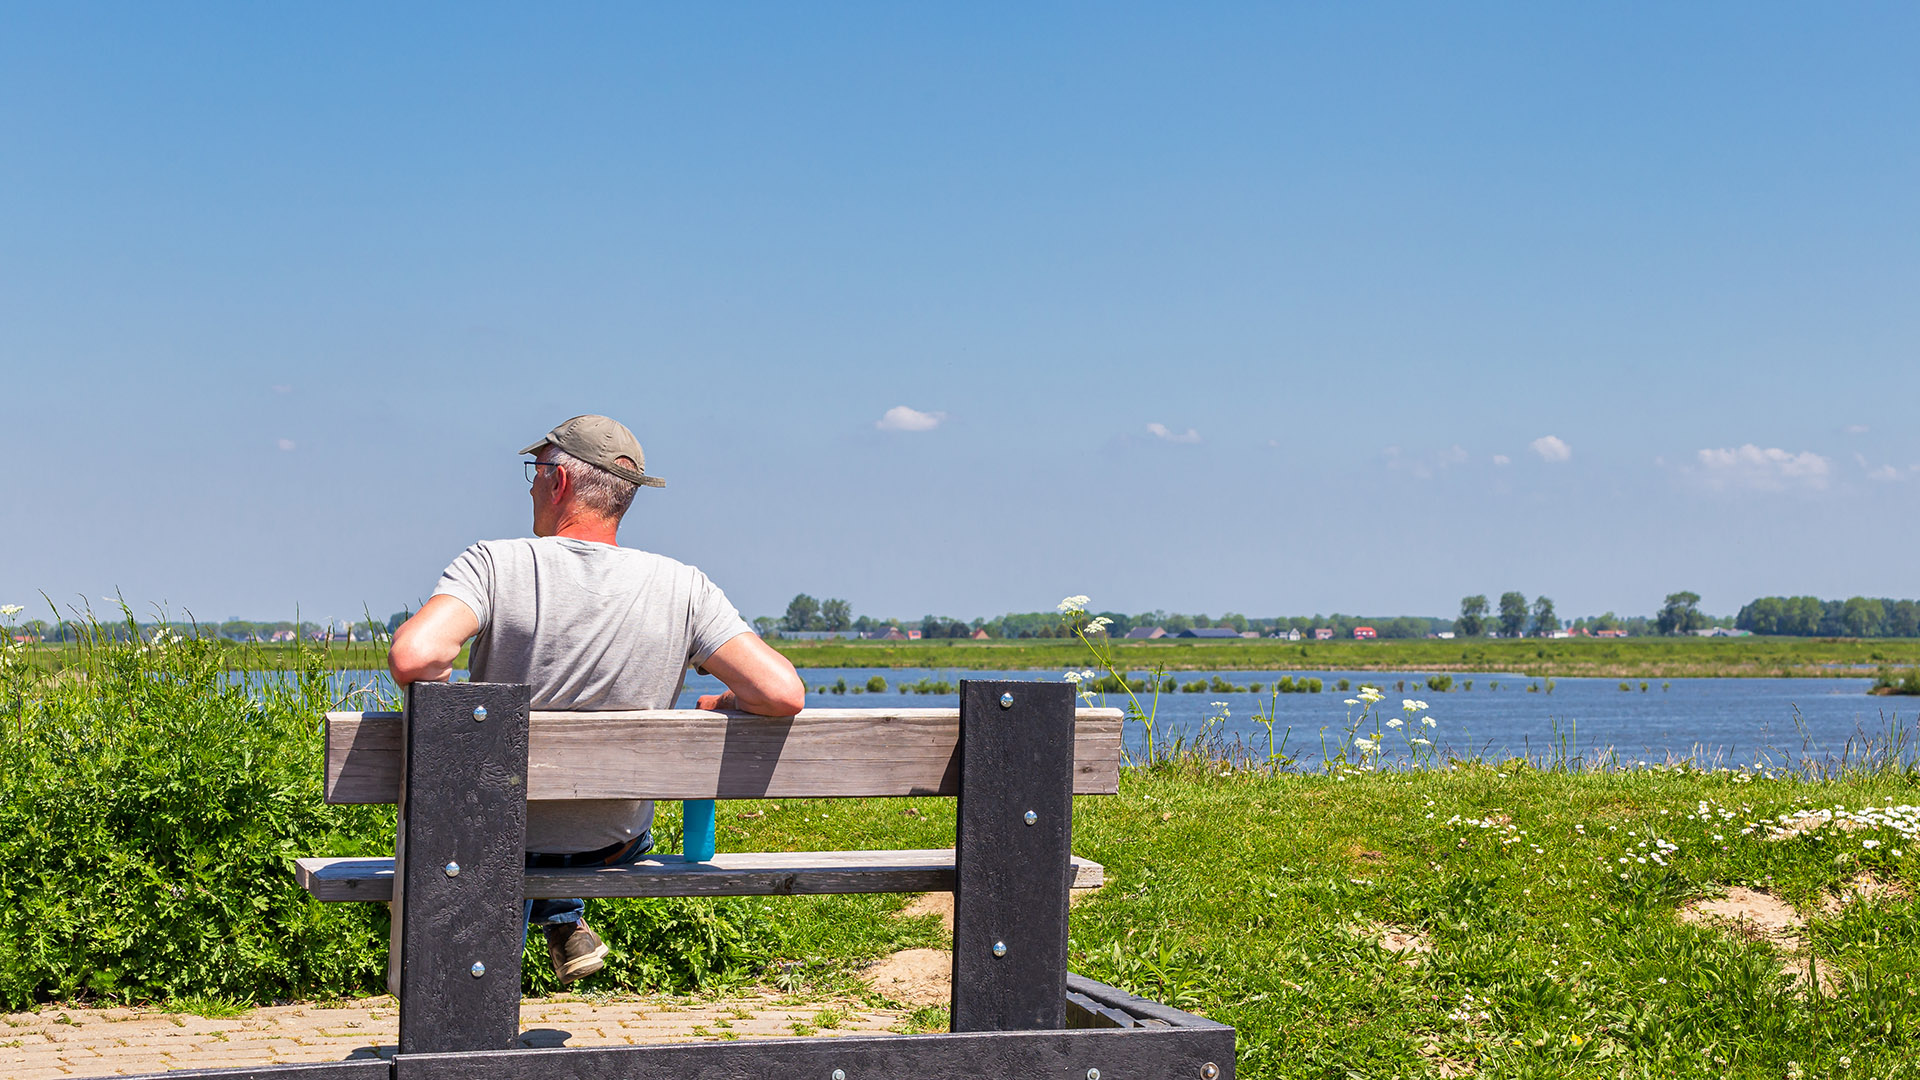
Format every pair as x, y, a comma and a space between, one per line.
598, 441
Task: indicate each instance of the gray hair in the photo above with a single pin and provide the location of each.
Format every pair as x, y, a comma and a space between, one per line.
596, 489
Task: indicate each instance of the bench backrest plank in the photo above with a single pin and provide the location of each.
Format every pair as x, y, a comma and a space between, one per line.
696, 754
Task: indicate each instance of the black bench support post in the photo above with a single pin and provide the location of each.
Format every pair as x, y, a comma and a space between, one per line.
459, 855
1013, 872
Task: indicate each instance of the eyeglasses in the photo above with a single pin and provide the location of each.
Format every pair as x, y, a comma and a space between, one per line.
532, 469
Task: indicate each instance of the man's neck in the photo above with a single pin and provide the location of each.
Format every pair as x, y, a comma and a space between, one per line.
598, 530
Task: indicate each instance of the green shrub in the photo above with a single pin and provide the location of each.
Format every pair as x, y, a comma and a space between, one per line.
151, 806
877, 684
152, 801
1197, 686
1440, 684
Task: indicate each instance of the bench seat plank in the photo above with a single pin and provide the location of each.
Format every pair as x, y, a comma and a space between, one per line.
763, 873
696, 754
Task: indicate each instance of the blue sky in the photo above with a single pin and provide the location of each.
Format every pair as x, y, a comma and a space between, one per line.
1261, 308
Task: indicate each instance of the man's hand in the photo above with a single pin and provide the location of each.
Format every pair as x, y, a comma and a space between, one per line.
425, 646
759, 680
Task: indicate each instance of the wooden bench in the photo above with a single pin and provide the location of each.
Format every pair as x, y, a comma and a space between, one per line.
697, 756
464, 759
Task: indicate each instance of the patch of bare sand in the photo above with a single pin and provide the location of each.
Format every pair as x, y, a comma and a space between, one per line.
1750, 913
916, 977
1864, 886
933, 903
1761, 916
1409, 944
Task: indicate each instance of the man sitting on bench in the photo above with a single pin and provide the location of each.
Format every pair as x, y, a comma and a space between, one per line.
590, 626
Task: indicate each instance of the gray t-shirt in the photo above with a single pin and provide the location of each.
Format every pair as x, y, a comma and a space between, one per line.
590, 626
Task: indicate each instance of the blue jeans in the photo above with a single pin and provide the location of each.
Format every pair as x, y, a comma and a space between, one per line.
553, 912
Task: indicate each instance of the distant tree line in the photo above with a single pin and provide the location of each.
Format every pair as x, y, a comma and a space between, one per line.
1810, 616
805, 613
1680, 614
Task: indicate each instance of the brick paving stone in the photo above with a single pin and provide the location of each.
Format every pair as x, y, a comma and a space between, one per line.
76, 1041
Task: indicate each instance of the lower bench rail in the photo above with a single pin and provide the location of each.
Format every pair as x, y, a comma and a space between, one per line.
764, 873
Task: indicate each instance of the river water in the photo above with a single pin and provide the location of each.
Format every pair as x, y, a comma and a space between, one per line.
1713, 722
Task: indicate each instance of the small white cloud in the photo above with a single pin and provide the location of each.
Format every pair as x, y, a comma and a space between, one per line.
1770, 469
1884, 472
286, 444
282, 388
1502, 459
1160, 431
1551, 448
1856, 429
901, 418
1426, 466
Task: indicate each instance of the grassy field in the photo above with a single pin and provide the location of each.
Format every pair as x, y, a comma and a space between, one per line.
1624, 659
1490, 918
1495, 920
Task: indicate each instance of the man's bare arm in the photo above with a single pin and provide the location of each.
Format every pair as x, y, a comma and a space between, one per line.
425, 646
759, 680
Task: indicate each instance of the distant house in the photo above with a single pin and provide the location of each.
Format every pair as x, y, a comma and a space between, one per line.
981, 634
1609, 633
1209, 632
913, 635
1364, 633
1289, 635
282, 635
1445, 635
893, 634
1323, 633
1144, 633
1250, 633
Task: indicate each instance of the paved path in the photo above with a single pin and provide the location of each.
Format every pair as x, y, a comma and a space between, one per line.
67, 1041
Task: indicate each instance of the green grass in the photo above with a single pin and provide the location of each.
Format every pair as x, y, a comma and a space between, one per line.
1260, 901
1622, 658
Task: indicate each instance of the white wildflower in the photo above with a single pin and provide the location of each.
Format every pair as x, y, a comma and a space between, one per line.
10, 610
1394, 723
1073, 603
1072, 677
1427, 720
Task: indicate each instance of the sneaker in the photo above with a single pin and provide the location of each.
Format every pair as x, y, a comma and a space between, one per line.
576, 951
